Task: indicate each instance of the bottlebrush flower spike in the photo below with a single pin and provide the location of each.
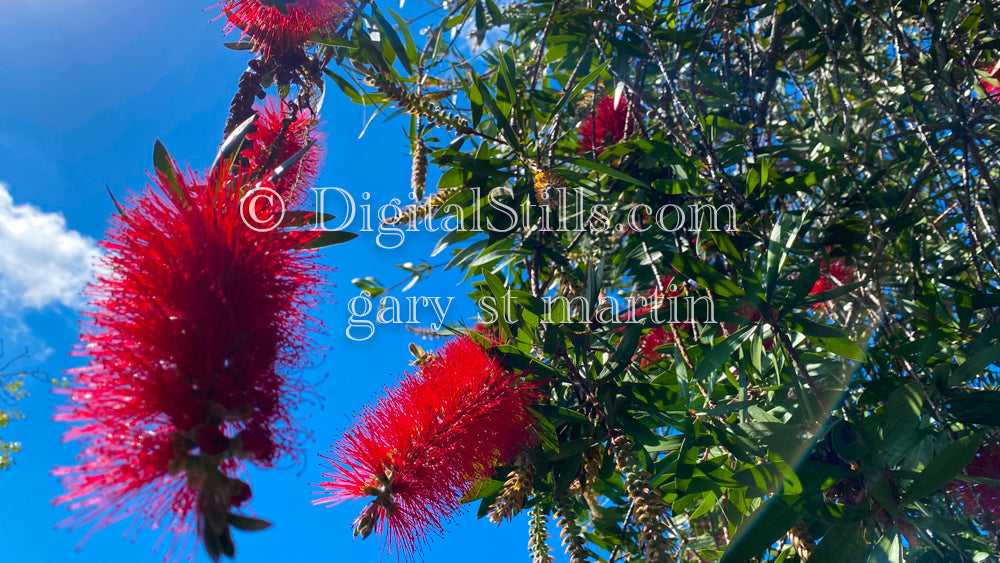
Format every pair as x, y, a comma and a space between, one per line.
193, 325
981, 501
276, 26
607, 126
427, 441
659, 303
836, 270
273, 142
992, 90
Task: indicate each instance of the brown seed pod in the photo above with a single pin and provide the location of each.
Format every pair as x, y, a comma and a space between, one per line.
418, 178
511, 498
550, 189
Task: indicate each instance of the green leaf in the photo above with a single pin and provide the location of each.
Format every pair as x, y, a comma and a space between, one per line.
369, 284
888, 549
476, 109
943, 468
502, 120
499, 291
233, 141
841, 346
166, 169
482, 489
821, 296
285, 166
976, 407
802, 286
707, 504
346, 87
579, 88
622, 357
598, 167
300, 218
480, 27
404, 28
509, 75
666, 444
844, 544
115, 201
981, 355
722, 352
761, 529
546, 432
212, 546
226, 545
330, 238
809, 327
247, 523
330, 40
390, 34
985, 300
900, 416
783, 235
759, 479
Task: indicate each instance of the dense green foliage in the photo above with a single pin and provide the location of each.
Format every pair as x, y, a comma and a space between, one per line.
829, 421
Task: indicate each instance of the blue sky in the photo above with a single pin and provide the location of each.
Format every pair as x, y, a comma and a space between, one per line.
88, 86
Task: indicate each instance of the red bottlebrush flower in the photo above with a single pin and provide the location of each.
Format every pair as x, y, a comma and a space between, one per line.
837, 270
656, 337
122, 464
981, 501
992, 90
427, 441
272, 143
276, 26
195, 320
607, 126
660, 335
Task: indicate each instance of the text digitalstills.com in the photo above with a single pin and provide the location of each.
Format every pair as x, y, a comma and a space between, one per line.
263, 209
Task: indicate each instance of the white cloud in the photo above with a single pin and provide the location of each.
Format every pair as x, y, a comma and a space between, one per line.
42, 262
